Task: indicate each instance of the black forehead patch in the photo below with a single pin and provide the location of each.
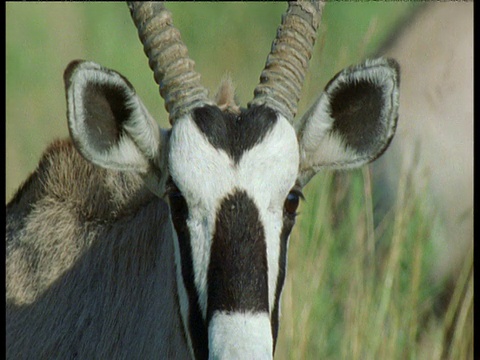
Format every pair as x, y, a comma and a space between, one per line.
234, 133
238, 270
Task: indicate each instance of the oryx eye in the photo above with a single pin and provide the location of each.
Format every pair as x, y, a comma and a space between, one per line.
292, 201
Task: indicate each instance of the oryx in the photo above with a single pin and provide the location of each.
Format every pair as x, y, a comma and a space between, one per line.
131, 241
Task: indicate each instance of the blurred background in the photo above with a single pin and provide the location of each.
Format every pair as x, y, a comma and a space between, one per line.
347, 295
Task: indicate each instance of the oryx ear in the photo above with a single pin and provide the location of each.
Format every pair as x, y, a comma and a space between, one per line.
353, 121
109, 124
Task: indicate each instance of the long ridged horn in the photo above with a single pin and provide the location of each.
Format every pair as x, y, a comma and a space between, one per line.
282, 79
168, 58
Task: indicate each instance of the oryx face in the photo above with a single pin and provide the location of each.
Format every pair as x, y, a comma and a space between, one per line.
232, 177
233, 203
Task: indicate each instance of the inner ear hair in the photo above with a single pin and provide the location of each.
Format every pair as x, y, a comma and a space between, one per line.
364, 104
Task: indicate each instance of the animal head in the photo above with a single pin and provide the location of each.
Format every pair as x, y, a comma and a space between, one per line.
232, 176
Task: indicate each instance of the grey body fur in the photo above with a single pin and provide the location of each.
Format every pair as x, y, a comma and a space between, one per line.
80, 222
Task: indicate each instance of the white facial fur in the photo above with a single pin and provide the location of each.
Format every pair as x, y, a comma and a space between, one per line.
240, 336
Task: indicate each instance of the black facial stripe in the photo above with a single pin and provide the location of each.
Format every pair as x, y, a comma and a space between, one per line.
196, 324
238, 270
288, 222
234, 133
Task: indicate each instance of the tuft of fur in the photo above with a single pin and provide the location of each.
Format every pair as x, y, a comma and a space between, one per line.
225, 96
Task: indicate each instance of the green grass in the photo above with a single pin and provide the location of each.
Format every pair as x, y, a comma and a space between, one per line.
353, 290
351, 299
349, 295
